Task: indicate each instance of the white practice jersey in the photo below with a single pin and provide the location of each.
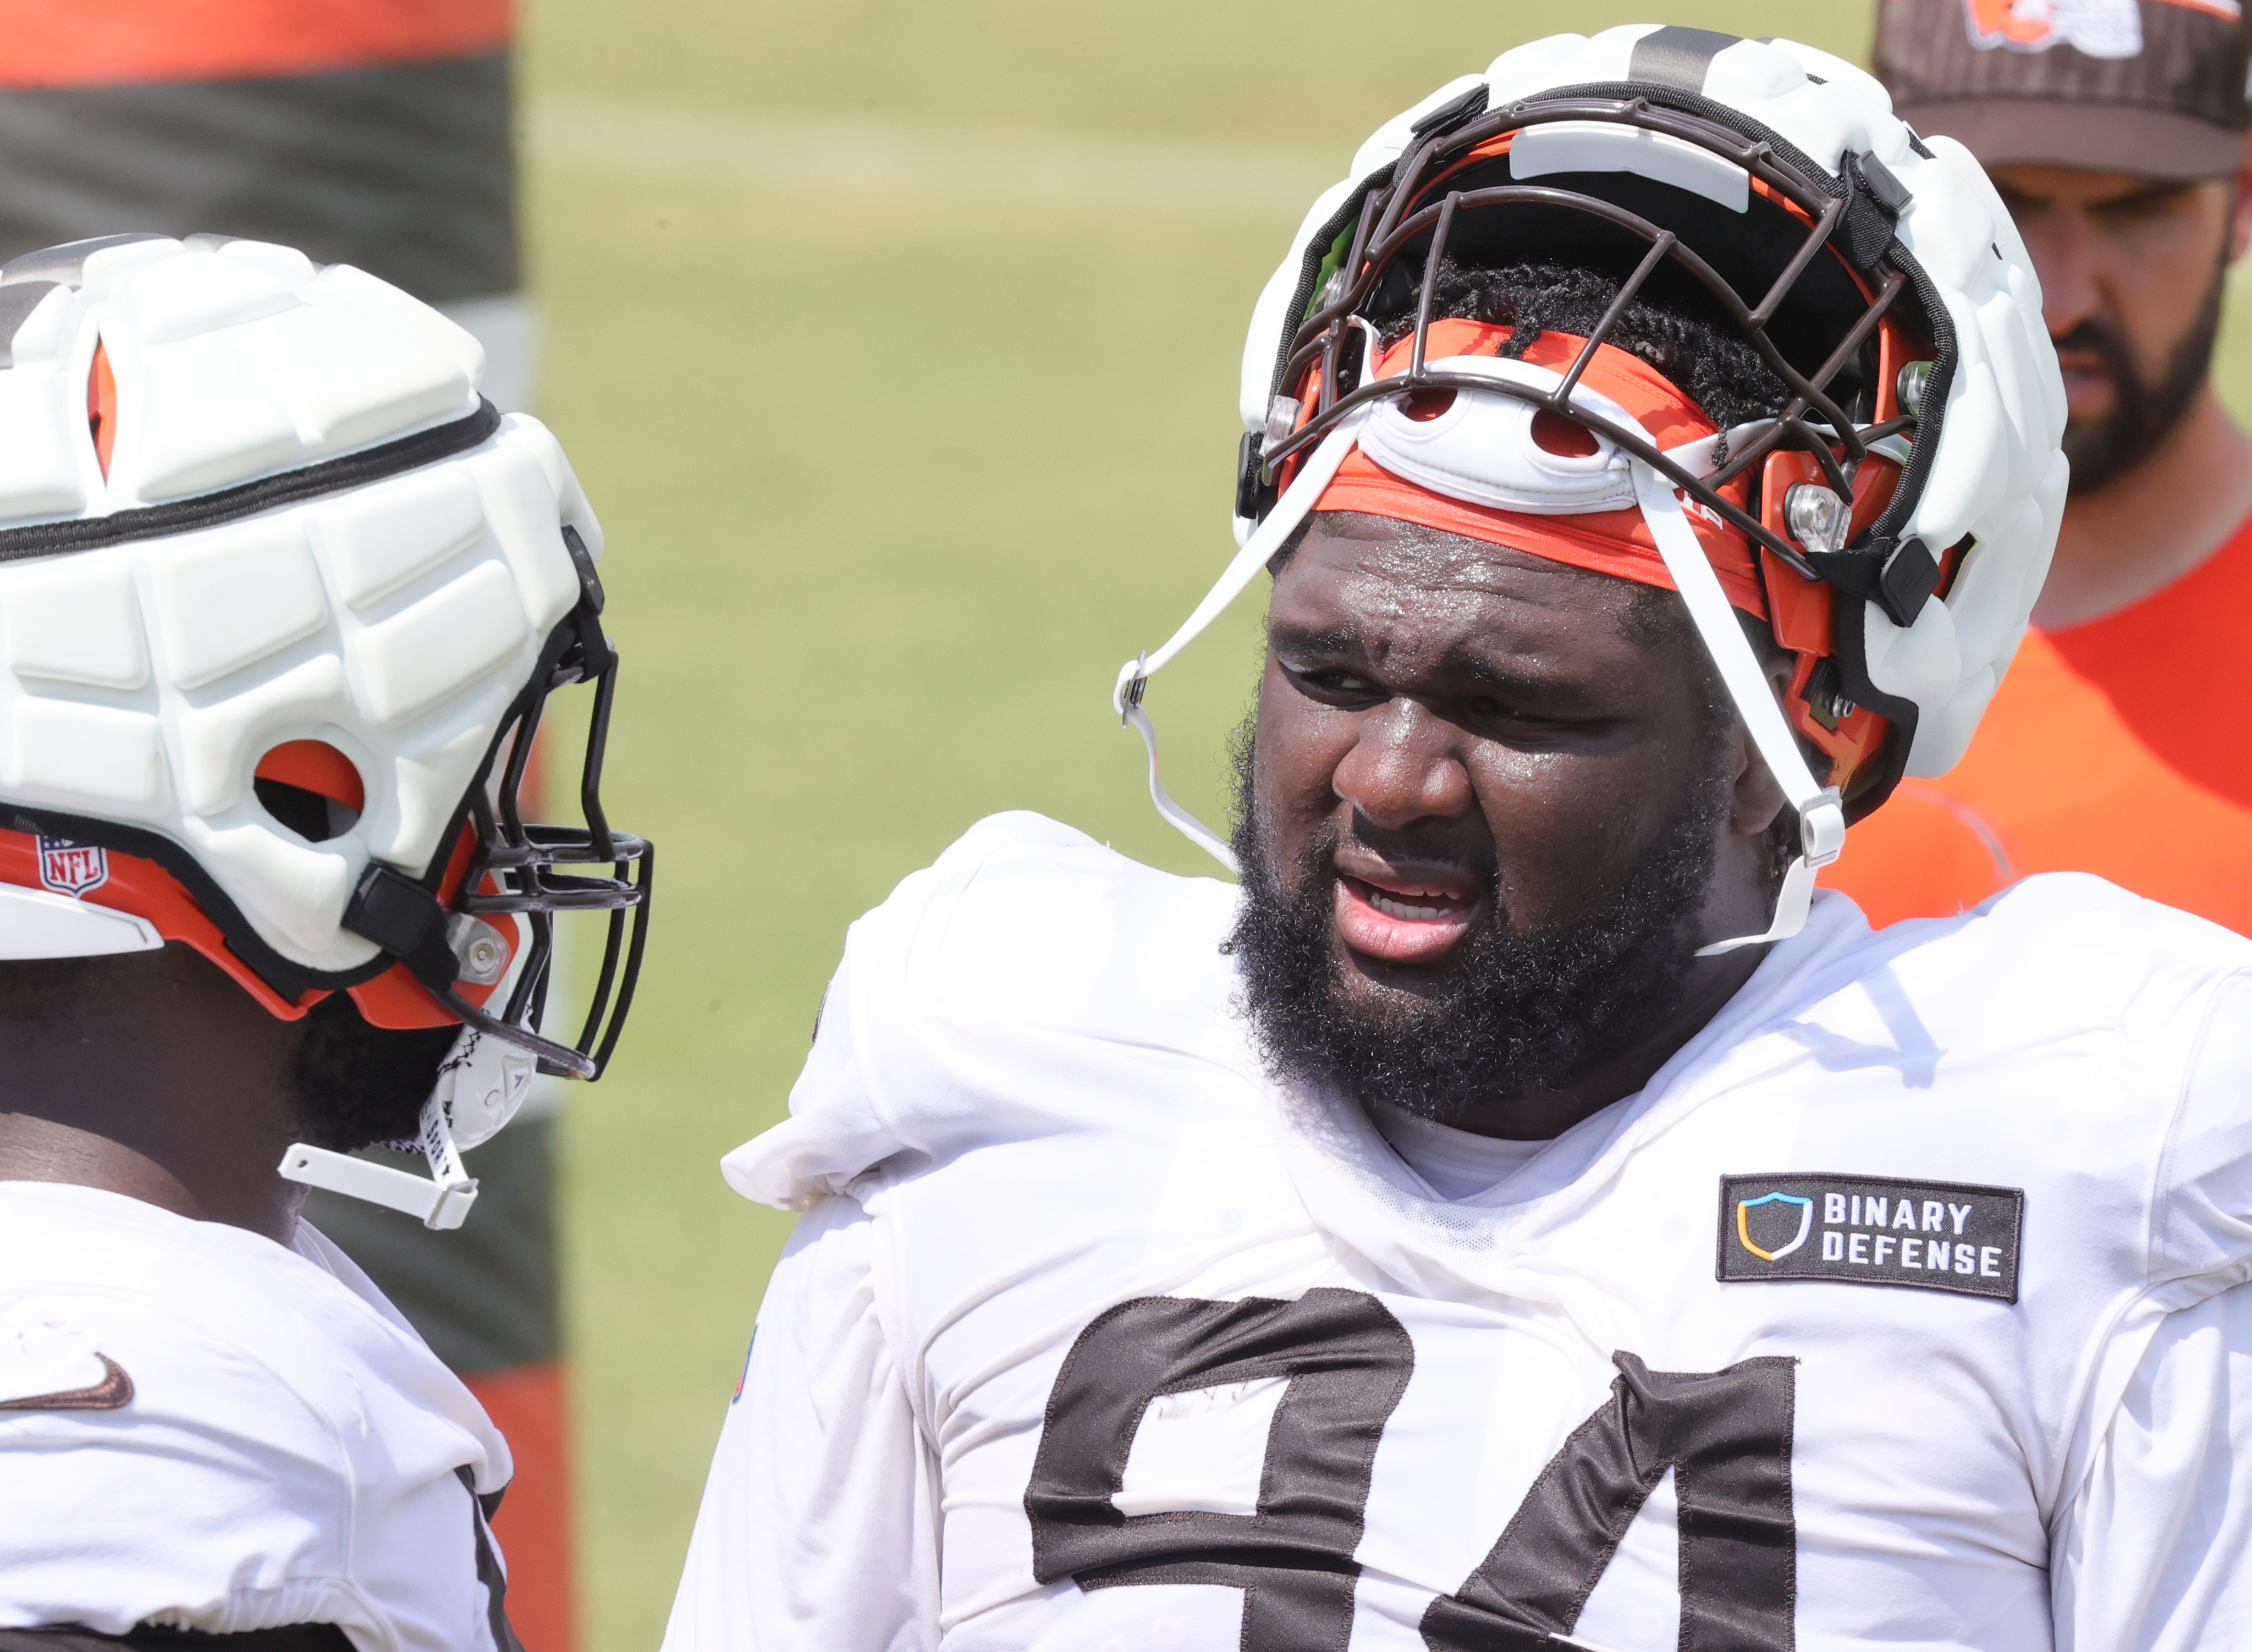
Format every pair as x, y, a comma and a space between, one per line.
1897, 1310
202, 1430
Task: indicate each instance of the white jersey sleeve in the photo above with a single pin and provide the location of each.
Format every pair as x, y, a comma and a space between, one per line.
2150, 1555
819, 1523
2153, 1555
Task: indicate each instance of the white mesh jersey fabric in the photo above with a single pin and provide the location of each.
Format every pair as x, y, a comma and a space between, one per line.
1031, 1109
289, 1452
1455, 1163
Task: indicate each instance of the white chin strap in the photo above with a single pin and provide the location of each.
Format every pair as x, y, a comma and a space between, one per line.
481, 1083
1281, 522
441, 1202
1821, 815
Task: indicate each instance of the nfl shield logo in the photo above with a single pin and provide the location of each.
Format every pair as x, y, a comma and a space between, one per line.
72, 869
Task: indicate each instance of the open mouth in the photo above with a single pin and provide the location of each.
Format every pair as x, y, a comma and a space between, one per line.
2087, 382
1420, 905
1401, 921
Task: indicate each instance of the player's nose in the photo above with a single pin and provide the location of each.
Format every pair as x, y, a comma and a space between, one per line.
2065, 259
1404, 766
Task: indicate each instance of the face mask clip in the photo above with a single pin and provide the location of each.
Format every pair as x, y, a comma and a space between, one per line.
1281, 522
441, 1202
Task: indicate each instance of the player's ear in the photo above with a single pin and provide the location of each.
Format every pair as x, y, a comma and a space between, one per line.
1757, 800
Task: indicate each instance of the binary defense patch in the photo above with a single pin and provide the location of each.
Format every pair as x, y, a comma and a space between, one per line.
1862, 1229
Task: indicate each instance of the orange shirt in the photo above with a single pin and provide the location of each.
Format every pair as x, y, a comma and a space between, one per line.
2121, 747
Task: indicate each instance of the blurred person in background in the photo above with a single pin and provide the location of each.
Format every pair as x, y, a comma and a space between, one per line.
375, 133
2116, 135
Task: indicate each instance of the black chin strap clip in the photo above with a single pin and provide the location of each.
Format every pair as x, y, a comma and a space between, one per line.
404, 919
1897, 576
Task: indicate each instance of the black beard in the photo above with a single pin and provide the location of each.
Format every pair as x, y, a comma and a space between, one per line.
352, 1086
1517, 1016
2142, 415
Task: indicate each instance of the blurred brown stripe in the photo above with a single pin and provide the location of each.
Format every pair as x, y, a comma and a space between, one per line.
408, 171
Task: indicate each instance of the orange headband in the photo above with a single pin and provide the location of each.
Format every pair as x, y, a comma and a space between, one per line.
1614, 541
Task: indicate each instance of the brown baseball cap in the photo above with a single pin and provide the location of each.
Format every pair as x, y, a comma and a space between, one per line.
2154, 87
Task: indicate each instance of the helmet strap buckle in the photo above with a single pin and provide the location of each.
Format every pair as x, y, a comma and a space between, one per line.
441, 1202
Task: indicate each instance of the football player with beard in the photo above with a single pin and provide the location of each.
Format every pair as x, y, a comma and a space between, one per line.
283, 601
1525, 1214
2115, 746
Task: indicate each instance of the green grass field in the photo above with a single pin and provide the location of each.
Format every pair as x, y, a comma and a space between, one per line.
896, 344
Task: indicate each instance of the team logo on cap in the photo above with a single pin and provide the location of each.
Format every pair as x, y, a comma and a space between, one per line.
2095, 28
1774, 1226
72, 869
2098, 27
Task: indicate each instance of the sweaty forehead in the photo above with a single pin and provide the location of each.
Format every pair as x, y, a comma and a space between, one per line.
1398, 586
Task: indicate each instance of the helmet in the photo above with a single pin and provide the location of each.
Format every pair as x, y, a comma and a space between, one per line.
1892, 522
282, 601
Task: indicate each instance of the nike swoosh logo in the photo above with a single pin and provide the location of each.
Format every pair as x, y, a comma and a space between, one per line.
114, 1390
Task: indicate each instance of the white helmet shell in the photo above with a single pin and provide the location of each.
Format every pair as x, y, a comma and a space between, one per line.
1998, 474
310, 528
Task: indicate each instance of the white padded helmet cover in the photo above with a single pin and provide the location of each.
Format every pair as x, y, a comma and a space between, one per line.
1481, 448
142, 682
2000, 475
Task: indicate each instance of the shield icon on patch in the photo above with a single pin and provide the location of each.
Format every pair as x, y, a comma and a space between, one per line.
72, 869
1780, 1226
